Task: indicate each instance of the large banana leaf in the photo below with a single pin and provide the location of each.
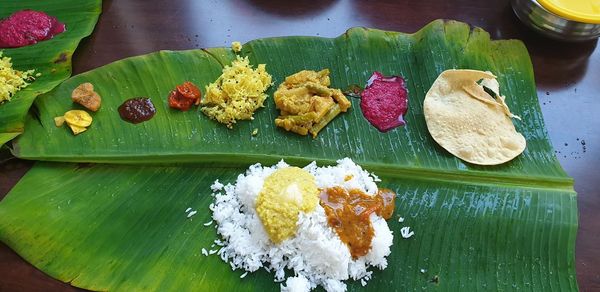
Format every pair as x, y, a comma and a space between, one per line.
172, 136
109, 227
52, 58
125, 228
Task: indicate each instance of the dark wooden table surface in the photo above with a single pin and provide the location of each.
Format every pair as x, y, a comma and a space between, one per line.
567, 77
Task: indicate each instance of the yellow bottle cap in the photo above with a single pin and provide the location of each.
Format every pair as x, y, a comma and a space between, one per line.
587, 11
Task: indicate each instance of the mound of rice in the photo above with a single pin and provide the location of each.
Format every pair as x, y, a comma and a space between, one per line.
315, 255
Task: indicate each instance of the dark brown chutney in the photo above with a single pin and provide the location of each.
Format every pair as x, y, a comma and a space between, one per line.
137, 110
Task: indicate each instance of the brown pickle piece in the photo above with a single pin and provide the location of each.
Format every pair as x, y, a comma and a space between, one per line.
348, 214
137, 110
85, 95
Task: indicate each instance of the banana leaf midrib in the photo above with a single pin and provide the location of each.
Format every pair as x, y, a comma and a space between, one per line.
229, 160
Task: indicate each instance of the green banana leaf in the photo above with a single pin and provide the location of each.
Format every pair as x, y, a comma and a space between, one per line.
52, 58
173, 136
123, 227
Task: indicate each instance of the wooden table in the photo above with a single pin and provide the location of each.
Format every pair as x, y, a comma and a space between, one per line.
567, 76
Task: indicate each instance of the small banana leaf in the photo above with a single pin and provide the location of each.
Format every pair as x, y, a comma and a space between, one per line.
124, 228
52, 58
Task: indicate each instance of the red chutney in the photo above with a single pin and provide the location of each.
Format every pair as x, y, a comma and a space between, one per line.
184, 96
27, 27
384, 101
348, 214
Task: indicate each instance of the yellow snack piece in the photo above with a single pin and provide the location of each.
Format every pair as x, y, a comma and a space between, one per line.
76, 130
285, 193
59, 121
78, 118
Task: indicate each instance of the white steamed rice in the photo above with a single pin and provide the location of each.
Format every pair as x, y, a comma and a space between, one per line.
315, 255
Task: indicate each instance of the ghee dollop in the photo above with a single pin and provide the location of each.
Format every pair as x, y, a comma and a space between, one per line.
285, 193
